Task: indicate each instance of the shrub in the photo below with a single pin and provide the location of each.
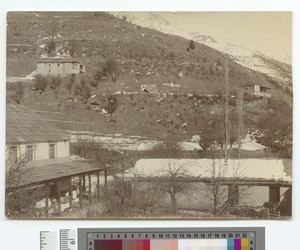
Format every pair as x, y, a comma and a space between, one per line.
15, 92
111, 69
50, 48
192, 44
55, 83
82, 86
41, 83
112, 104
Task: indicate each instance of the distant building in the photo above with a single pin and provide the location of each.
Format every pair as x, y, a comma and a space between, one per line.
256, 90
32, 139
59, 67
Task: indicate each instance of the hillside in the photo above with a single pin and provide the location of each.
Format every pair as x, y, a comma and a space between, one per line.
186, 86
280, 71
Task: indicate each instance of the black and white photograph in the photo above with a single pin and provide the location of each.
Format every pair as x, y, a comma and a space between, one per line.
149, 115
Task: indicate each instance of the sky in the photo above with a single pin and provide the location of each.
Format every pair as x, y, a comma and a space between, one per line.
267, 32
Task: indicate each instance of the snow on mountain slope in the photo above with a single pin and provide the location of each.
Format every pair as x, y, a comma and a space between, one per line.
250, 59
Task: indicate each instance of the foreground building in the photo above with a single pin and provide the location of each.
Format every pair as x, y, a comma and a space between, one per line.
38, 163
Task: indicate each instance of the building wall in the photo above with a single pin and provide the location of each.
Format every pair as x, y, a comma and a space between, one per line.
41, 151
55, 69
256, 90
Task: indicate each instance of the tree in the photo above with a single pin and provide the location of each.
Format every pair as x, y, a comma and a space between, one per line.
173, 182
73, 48
224, 196
55, 83
15, 92
19, 202
41, 83
50, 48
276, 135
192, 45
110, 69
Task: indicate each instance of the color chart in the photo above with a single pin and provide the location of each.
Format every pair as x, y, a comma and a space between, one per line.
173, 239
184, 244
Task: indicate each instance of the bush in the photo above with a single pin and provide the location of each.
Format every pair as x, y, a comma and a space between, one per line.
41, 83
15, 92
192, 44
112, 104
110, 69
82, 86
55, 83
50, 48
167, 148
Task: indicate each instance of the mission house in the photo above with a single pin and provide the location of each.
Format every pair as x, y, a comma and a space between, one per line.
59, 67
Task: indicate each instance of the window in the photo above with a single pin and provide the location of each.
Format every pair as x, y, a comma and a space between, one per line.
13, 153
52, 151
29, 153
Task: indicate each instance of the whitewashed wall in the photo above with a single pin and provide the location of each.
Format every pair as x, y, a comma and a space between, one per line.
41, 150
62, 69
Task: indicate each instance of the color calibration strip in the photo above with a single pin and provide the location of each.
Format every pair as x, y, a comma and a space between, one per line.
172, 244
234, 238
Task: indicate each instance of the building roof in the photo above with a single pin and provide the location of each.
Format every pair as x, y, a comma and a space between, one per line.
52, 170
265, 85
57, 60
23, 125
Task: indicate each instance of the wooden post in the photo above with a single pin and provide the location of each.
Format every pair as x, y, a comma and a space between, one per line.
274, 195
90, 189
83, 184
80, 191
47, 200
70, 192
233, 195
105, 178
58, 197
98, 185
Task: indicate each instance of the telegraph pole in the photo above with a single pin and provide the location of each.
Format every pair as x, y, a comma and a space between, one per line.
226, 112
240, 114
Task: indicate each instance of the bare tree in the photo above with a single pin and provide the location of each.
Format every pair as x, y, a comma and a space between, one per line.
173, 181
19, 202
223, 190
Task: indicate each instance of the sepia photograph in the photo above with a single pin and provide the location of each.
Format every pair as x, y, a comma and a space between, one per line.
149, 115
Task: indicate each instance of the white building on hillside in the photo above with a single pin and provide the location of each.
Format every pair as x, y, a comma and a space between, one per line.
59, 67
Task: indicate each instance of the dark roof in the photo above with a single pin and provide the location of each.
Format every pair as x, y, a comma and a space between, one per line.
57, 60
54, 170
23, 125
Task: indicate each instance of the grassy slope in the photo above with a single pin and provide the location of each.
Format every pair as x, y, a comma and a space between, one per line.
146, 57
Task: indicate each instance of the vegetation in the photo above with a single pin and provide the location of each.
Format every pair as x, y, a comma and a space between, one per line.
41, 83
15, 92
19, 202
110, 68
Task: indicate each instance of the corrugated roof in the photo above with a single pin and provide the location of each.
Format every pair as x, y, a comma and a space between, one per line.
23, 125
57, 60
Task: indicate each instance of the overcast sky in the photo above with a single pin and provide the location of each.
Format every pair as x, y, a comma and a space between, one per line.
267, 32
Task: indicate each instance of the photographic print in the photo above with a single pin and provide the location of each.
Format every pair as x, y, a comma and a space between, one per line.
149, 115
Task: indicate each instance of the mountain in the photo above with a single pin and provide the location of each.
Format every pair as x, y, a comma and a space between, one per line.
255, 60
250, 59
